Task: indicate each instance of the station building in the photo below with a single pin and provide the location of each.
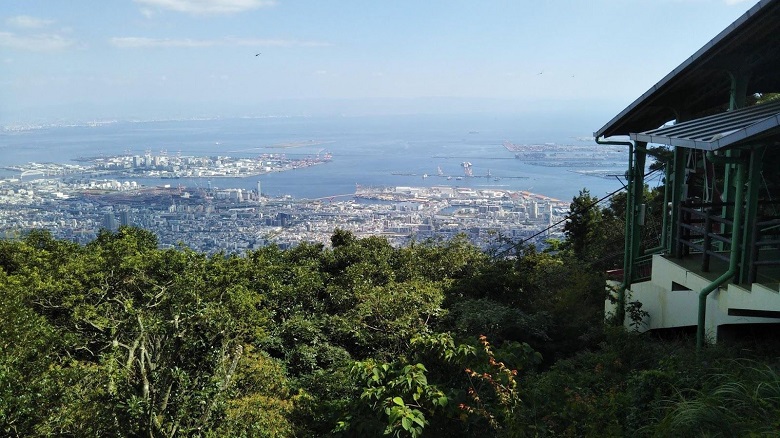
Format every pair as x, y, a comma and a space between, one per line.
717, 267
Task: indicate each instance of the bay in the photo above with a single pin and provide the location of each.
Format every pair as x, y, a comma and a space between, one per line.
367, 151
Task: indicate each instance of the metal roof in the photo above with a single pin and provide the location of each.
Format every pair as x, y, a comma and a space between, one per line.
732, 128
701, 85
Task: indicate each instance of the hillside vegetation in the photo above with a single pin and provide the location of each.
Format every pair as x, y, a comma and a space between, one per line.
120, 338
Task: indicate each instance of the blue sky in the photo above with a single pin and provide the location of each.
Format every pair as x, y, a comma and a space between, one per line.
90, 59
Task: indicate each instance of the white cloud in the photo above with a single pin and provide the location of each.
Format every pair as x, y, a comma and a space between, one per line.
37, 43
146, 12
204, 7
260, 42
143, 42
30, 41
28, 22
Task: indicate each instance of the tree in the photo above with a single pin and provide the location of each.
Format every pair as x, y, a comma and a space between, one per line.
582, 228
441, 388
135, 340
28, 373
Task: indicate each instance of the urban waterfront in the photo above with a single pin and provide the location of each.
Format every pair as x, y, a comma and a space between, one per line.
231, 185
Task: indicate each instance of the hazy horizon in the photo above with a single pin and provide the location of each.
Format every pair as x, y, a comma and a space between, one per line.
162, 59
578, 112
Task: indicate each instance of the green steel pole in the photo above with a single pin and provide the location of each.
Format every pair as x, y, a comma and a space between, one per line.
662, 244
665, 208
620, 312
737, 99
733, 259
751, 211
678, 183
639, 193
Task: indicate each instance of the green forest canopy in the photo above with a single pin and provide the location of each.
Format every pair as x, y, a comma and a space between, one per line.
121, 338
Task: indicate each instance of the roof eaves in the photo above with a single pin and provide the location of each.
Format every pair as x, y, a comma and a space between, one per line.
704, 135
646, 96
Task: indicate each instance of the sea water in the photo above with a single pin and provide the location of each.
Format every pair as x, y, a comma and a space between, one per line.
367, 151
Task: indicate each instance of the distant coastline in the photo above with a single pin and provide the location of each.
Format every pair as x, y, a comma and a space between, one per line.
371, 151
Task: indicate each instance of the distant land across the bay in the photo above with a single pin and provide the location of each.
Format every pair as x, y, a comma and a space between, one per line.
367, 151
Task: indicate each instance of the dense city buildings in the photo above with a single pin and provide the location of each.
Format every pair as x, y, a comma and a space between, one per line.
77, 206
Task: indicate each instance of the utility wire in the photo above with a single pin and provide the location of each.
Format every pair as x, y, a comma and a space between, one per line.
582, 210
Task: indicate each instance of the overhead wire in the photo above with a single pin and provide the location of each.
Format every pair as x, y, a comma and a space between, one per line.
566, 218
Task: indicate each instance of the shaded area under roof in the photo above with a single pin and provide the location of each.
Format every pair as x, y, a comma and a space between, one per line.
732, 128
701, 85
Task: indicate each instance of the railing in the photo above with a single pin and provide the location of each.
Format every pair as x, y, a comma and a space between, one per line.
643, 267
700, 228
766, 235
704, 231
700, 225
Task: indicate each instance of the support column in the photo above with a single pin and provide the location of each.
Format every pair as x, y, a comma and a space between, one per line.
738, 93
634, 201
678, 181
620, 310
751, 212
638, 198
737, 98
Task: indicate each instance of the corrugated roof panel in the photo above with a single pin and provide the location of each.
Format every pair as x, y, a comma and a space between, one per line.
718, 131
701, 83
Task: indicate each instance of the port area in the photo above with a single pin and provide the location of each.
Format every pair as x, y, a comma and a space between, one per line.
568, 155
455, 194
235, 220
163, 165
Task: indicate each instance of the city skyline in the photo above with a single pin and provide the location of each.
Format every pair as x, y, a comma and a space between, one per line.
205, 58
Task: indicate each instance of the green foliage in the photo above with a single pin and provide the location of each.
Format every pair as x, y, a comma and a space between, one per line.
498, 321
148, 340
741, 399
582, 228
661, 155
636, 386
636, 315
260, 404
26, 341
398, 392
342, 238
492, 393
462, 388
761, 99
119, 337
